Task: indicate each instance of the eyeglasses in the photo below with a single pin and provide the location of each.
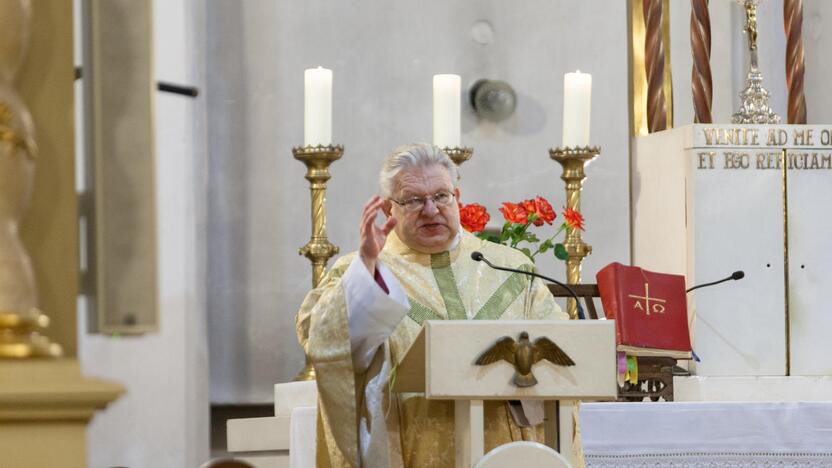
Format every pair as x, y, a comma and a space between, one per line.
416, 204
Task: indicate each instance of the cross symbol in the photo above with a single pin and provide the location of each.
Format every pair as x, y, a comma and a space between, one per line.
646, 298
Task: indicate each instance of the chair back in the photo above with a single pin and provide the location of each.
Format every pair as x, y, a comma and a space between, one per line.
585, 291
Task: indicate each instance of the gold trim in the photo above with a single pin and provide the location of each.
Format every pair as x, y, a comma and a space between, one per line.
638, 77
668, 67
785, 172
459, 155
504, 295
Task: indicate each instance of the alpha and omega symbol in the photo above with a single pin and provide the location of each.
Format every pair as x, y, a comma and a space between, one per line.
648, 304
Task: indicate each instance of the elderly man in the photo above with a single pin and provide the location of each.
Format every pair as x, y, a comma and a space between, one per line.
370, 306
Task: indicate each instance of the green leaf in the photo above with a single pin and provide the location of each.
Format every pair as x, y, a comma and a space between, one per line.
527, 252
505, 233
530, 237
546, 245
560, 251
493, 238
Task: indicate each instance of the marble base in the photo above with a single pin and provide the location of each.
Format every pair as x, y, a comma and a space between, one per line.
45, 406
264, 442
774, 388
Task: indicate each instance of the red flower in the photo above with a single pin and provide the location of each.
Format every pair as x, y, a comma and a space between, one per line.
573, 219
541, 208
531, 209
514, 213
544, 209
473, 217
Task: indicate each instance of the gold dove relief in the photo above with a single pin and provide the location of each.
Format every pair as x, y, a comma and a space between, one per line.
523, 354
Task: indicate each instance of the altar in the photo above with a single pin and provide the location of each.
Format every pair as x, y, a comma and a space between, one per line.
712, 199
689, 434
708, 434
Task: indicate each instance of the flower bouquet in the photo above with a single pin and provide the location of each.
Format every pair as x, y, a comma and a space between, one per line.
518, 227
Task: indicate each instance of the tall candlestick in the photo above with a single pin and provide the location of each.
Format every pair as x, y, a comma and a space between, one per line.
317, 110
446, 103
577, 100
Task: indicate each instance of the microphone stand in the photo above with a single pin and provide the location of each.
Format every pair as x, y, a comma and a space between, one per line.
478, 256
737, 275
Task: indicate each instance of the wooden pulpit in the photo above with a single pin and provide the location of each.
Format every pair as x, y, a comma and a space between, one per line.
442, 364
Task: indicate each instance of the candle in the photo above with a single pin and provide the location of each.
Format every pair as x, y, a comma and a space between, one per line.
317, 106
577, 99
446, 102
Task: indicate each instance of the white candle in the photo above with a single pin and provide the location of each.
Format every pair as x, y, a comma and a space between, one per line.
577, 99
317, 106
446, 103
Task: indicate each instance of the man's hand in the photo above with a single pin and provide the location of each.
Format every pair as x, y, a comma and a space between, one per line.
373, 237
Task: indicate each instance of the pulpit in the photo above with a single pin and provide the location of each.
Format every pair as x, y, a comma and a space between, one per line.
442, 364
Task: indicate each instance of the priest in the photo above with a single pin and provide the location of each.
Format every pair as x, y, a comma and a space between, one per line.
358, 323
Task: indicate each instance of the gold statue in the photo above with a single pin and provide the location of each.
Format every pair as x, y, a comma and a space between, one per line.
20, 320
751, 26
523, 355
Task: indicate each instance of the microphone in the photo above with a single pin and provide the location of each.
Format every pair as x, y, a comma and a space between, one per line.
479, 257
737, 275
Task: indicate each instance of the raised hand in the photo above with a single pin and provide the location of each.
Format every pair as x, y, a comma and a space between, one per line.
373, 237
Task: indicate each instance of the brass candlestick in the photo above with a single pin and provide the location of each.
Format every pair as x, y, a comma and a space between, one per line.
20, 320
459, 155
574, 160
318, 250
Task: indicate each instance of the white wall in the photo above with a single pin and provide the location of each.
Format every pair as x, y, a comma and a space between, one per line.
383, 55
163, 420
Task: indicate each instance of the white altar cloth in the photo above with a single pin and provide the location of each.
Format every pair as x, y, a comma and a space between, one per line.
707, 434
676, 434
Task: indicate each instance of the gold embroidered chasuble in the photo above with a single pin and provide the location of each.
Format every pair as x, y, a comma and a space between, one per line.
406, 429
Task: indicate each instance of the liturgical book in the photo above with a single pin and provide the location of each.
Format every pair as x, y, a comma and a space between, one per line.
650, 310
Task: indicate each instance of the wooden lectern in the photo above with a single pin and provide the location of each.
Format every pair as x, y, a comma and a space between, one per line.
441, 363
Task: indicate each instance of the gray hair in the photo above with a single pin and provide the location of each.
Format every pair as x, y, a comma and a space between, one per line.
411, 156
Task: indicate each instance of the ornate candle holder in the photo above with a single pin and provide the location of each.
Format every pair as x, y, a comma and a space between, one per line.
459, 155
20, 321
574, 160
318, 250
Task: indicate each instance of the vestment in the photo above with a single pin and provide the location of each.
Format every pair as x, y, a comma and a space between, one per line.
357, 335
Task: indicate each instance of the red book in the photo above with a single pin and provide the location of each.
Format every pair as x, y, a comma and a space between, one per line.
650, 310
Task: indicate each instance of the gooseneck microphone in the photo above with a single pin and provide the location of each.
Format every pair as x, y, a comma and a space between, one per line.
479, 257
737, 275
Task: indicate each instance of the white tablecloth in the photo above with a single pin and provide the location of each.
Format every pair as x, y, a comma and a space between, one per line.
707, 434
731, 434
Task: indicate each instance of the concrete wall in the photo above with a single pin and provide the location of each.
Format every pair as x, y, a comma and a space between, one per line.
163, 421
383, 56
